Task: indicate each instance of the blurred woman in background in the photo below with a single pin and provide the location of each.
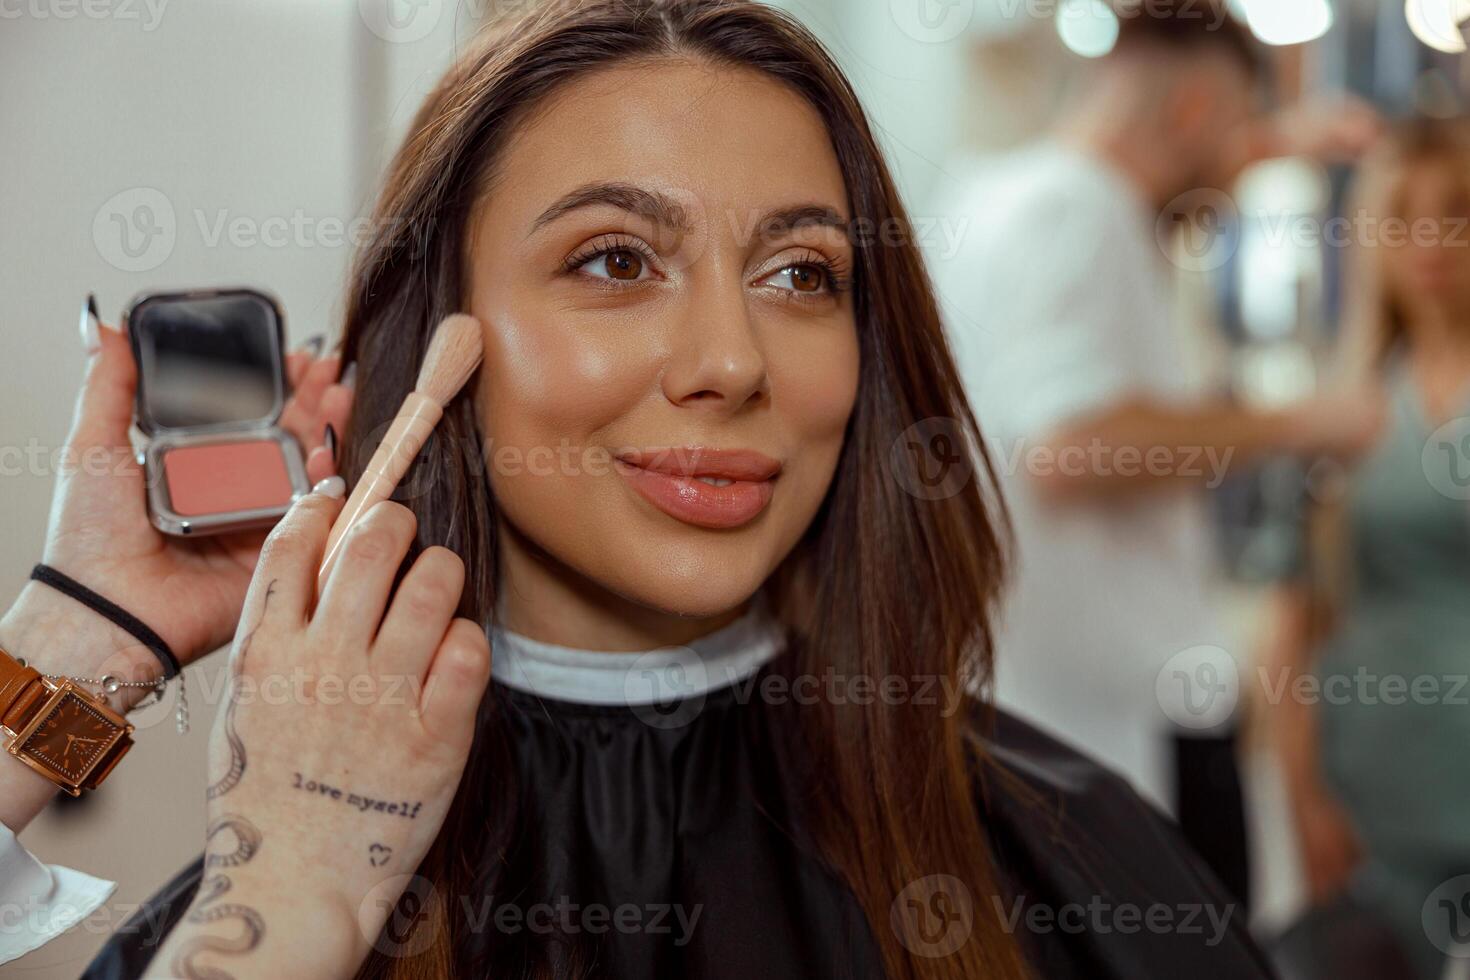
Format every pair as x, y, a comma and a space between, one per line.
1374, 749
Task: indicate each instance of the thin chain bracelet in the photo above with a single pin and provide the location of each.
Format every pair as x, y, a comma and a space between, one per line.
110, 685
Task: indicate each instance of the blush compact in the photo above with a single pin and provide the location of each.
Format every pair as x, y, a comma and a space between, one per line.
211, 390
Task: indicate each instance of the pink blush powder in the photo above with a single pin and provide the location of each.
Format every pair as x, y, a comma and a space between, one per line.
226, 477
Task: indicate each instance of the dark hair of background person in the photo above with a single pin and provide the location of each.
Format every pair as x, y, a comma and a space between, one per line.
1188, 27
883, 583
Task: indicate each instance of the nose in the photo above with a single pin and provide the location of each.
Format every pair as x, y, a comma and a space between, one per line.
716, 361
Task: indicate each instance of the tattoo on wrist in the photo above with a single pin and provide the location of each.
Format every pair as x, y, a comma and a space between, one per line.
378, 855
236, 769
359, 801
206, 908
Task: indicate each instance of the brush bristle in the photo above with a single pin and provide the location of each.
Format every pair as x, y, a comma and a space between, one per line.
453, 355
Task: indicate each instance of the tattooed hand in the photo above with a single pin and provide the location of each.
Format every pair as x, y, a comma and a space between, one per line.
190, 591
337, 757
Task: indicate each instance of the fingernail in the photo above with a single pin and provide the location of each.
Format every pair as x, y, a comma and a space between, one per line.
333, 486
314, 344
349, 376
89, 326
330, 438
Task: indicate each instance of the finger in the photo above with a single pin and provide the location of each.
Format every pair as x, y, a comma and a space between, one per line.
456, 683
335, 408
318, 376
320, 465
292, 553
356, 593
104, 409
422, 610
301, 415
296, 364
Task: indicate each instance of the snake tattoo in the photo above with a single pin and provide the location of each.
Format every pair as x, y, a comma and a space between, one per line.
216, 884
206, 906
236, 768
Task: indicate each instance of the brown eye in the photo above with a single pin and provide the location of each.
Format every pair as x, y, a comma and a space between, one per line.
623, 264
807, 278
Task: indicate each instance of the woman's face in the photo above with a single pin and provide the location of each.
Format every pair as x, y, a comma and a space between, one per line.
1430, 260
671, 354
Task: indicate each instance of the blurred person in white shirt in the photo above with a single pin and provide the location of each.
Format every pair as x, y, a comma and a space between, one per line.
1057, 304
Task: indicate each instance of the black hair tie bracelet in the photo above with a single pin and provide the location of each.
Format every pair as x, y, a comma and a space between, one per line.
140, 631
47, 575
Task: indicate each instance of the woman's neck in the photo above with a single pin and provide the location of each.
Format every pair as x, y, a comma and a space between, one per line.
543, 599
1438, 349
1435, 330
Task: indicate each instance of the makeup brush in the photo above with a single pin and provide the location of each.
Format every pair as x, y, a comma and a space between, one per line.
453, 355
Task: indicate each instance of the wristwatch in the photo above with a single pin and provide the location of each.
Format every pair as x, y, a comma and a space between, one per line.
59, 729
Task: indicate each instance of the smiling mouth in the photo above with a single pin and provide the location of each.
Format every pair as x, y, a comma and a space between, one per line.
710, 488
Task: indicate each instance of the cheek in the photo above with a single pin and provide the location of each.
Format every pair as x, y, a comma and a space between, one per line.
546, 382
549, 387
815, 379
814, 383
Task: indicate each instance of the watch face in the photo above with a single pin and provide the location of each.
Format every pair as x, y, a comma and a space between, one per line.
71, 737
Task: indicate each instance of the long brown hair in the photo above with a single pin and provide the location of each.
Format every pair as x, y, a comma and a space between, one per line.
1373, 317
884, 583
1373, 330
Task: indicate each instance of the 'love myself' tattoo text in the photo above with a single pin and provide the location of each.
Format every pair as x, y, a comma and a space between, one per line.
362, 803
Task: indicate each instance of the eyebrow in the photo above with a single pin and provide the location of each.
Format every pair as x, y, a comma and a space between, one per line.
656, 207
786, 219
663, 210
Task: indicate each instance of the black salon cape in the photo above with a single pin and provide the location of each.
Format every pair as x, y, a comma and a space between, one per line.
634, 815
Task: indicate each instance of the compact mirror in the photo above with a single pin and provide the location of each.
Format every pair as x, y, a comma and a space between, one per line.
207, 361
211, 390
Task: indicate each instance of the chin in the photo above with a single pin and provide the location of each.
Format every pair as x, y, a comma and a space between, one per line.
699, 578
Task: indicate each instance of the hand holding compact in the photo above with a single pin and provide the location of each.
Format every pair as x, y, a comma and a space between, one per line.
189, 592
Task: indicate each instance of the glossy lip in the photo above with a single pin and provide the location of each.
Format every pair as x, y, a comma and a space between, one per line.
668, 478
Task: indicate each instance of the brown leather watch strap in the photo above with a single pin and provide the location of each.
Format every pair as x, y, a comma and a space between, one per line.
21, 688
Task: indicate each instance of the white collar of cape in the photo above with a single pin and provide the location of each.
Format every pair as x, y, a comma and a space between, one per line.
637, 678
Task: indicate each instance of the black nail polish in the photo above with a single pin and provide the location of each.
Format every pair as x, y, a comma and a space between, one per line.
330, 438
314, 344
89, 325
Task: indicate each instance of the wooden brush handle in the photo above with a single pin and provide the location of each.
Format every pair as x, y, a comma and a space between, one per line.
399, 448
